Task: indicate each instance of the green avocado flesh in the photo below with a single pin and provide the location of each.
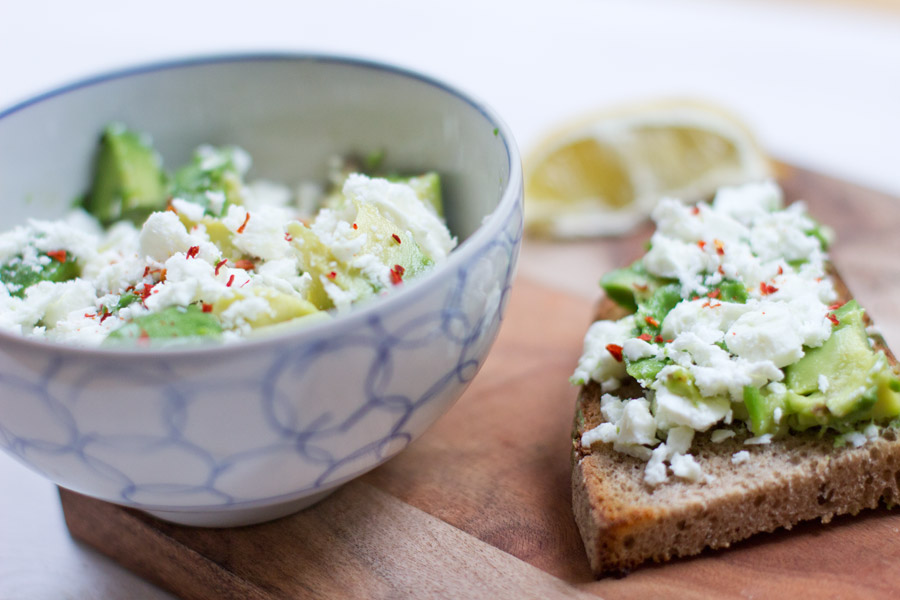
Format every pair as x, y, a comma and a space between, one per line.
129, 182
173, 324
18, 276
859, 384
213, 171
840, 385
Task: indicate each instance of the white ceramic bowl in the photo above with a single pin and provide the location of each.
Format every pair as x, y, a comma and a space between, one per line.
231, 435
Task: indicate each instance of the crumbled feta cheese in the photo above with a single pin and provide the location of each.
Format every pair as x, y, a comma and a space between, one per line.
637, 426
720, 435
596, 361
777, 414
685, 467
611, 407
679, 440
739, 457
854, 438
605, 432
635, 349
765, 438
162, 235
610, 385
655, 471
191, 210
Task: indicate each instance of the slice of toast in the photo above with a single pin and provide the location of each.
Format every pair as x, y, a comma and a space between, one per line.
624, 522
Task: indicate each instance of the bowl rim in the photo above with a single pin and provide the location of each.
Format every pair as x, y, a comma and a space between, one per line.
490, 227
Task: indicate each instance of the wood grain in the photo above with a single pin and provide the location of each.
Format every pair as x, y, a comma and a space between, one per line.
360, 543
481, 505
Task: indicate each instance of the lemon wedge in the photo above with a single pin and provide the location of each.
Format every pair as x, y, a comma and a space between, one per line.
602, 174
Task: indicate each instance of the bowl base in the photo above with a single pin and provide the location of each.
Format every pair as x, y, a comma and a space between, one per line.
238, 517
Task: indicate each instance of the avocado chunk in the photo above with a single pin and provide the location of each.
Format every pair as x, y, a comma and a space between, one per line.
129, 182
388, 246
858, 382
175, 324
653, 311
427, 187
761, 406
325, 269
645, 370
216, 170
631, 285
18, 276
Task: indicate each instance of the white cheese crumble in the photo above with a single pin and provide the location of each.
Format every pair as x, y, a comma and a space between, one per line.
739, 457
720, 435
759, 440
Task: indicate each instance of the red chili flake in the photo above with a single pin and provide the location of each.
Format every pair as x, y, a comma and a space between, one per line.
818, 279
702, 244
245, 283
230, 281
207, 307
834, 320
721, 270
668, 341
219, 264
162, 275
396, 237
695, 297
658, 339
244, 224
716, 293
615, 350
144, 338
288, 237
355, 226
836, 306
145, 293
709, 304
780, 270
641, 287
245, 264
651, 321
720, 247
397, 272
193, 251
695, 210
59, 255
331, 275
105, 314
645, 336
767, 289
89, 316
146, 271
169, 207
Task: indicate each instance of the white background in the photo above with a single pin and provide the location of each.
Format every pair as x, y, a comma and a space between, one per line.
820, 84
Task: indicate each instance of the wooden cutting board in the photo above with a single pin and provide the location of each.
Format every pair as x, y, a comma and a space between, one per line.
479, 507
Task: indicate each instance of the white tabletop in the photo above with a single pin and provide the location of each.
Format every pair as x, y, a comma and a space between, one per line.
819, 83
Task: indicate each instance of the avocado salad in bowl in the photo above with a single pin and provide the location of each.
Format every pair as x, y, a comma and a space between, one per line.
222, 343
200, 254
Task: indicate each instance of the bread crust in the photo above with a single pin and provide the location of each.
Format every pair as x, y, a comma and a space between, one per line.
624, 522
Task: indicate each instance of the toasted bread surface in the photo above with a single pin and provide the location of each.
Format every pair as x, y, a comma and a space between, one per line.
625, 522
